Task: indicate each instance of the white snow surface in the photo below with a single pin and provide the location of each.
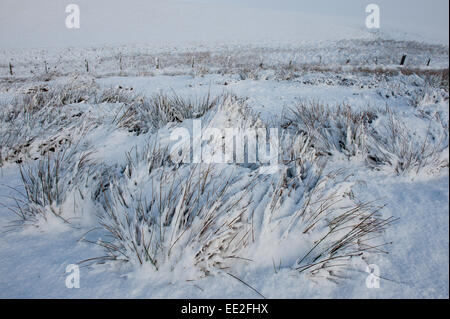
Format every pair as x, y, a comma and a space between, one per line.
414, 264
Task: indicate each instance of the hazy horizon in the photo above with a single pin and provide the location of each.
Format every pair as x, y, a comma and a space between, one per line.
28, 23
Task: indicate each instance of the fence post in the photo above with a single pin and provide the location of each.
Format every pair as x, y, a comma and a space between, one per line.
402, 62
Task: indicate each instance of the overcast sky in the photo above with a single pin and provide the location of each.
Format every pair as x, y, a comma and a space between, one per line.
41, 23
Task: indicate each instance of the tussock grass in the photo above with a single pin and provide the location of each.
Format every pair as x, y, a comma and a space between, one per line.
150, 157
438, 79
394, 145
39, 110
46, 183
391, 143
304, 162
45, 112
332, 129
336, 225
350, 229
198, 215
152, 113
115, 95
194, 212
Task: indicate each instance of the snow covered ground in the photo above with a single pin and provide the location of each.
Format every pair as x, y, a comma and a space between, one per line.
87, 174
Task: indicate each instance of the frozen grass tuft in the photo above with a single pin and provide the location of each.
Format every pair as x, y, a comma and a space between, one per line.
146, 114
192, 211
332, 129
46, 113
46, 183
397, 146
208, 217
351, 227
388, 143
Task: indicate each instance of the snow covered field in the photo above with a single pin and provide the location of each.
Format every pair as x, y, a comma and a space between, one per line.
89, 142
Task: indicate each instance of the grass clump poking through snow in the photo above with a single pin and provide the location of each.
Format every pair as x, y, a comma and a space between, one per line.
212, 218
342, 227
397, 146
146, 114
151, 157
376, 134
189, 214
47, 182
332, 129
326, 225
40, 113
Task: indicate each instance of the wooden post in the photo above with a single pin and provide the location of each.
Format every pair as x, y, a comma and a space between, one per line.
429, 61
45, 67
86, 63
10, 68
193, 62
402, 62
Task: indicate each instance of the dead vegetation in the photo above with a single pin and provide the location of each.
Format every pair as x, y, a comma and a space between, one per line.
332, 128
145, 114
47, 182
394, 145
388, 144
197, 212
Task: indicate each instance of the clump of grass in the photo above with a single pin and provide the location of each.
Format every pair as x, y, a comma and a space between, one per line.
394, 145
46, 183
152, 113
249, 73
332, 129
44, 112
40, 110
56, 96
433, 91
197, 215
152, 156
436, 79
336, 226
304, 162
115, 95
350, 228
196, 212
390, 143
